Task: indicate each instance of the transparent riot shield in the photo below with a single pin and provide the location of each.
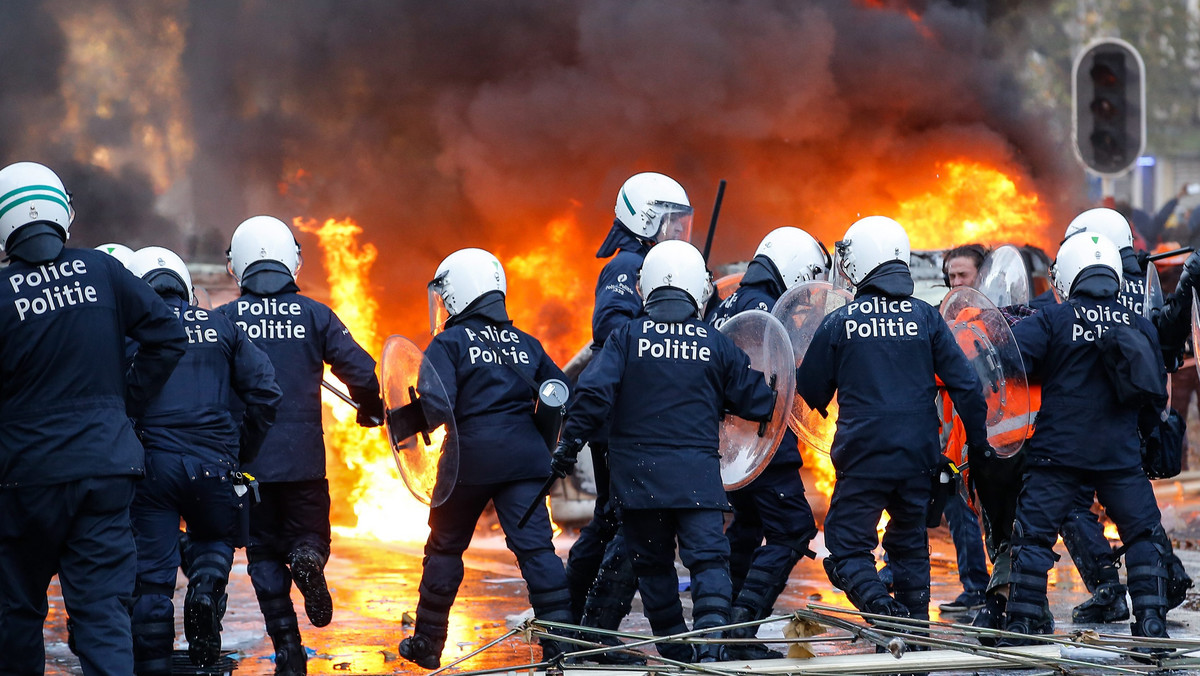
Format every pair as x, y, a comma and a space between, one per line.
1004, 277
1154, 291
987, 341
801, 310
419, 421
747, 447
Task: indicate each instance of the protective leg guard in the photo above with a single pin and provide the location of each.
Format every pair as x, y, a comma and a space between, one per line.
308, 571
1106, 605
1027, 609
861, 583
290, 658
152, 647
1178, 580
611, 596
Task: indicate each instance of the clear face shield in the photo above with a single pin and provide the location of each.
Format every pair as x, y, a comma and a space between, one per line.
438, 313
837, 270
675, 222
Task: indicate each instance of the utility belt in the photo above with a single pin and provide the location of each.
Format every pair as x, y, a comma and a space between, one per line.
243, 482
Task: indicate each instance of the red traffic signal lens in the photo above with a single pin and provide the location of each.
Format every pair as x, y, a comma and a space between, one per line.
1103, 75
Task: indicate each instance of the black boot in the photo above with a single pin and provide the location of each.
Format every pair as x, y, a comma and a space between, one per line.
990, 616
308, 571
422, 650
747, 651
1106, 605
202, 623
1020, 624
290, 658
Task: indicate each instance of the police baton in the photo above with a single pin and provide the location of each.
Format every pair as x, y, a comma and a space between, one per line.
541, 499
1168, 254
712, 224
346, 398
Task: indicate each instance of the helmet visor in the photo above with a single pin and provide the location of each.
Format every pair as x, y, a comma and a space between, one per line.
438, 314
837, 272
675, 222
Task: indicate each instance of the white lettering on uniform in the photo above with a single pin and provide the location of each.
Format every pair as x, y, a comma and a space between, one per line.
1098, 320
668, 347
871, 326
268, 325
54, 296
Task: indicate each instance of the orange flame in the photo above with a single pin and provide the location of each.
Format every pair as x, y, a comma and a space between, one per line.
973, 203
364, 474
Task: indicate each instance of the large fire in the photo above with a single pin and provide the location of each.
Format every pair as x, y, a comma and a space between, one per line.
550, 295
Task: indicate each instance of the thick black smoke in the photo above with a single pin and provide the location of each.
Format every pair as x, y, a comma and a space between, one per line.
441, 125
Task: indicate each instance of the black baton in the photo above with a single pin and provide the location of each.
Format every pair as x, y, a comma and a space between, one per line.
541, 499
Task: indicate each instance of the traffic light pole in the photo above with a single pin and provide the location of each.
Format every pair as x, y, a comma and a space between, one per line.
1107, 186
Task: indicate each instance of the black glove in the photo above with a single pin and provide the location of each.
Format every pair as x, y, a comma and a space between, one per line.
370, 406
565, 454
1190, 273
1143, 259
980, 453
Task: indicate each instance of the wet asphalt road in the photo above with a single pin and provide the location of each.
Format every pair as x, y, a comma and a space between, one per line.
374, 587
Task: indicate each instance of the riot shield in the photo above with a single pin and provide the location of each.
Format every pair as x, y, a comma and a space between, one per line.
801, 310
726, 285
984, 336
1154, 291
1195, 328
1004, 277
419, 421
747, 447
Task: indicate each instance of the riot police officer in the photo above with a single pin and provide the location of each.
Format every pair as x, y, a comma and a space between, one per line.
193, 450
1081, 530
68, 453
289, 528
773, 506
650, 208
880, 354
1085, 436
664, 378
491, 371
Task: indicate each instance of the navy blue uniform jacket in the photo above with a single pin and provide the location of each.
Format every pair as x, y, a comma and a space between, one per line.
759, 297
493, 406
192, 415
617, 299
880, 353
65, 394
1080, 424
665, 386
300, 335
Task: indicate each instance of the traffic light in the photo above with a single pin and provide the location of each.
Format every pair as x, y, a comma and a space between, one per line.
1108, 87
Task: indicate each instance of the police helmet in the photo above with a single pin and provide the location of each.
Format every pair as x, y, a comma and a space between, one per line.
869, 243
460, 278
263, 238
118, 251
30, 193
654, 207
162, 269
676, 265
797, 255
1107, 222
1081, 251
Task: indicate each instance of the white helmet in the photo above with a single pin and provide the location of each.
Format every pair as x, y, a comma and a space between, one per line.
32, 193
262, 238
796, 254
118, 251
1081, 251
678, 265
654, 206
1105, 221
152, 261
869, 243
462, 277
